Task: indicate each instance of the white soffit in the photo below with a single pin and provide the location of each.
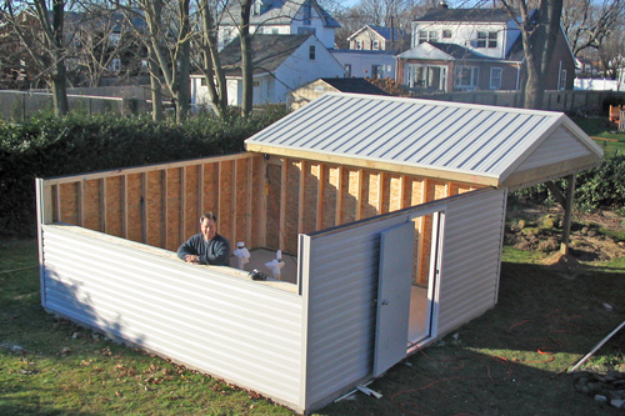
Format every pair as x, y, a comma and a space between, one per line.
454, 141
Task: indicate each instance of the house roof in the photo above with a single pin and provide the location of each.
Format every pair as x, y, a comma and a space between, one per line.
485, 145
268, 52
276, 12
442, 51
497, 15
383, 31
354, 85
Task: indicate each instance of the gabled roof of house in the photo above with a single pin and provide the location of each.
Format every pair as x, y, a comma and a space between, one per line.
276, 12
442, 51
383, 31
497, 15
485, 145
354, 85
268, 52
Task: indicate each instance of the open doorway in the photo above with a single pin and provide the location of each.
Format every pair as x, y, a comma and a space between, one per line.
425, 274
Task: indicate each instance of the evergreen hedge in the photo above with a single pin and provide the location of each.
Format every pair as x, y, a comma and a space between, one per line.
48, 146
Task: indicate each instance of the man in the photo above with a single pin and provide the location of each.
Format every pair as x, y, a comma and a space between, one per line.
207, 247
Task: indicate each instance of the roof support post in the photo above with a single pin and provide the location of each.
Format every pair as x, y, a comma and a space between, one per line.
568, 214
567, 203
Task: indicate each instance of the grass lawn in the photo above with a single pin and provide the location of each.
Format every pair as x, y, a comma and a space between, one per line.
507, 362
598, 127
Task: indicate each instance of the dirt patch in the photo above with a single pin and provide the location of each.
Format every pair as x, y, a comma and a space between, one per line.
594, 237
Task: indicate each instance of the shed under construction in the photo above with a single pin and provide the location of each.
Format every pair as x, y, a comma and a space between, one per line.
393, 208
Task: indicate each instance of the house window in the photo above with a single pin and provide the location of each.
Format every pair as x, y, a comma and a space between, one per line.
446, 34
358, 45
256, 84
114, 39
275, 31
495, 78
203, 82
257, 7
466, 78
562, 85
306, 30
375, 45
427, 77
348, 70
486, 39
145, 65
377, 71
311, 52
116, 65
428, 36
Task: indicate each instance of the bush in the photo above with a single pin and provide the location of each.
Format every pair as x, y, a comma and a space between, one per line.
601, 187
48, 146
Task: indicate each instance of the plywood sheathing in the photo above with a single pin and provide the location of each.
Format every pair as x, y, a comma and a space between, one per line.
112, 205
135, 206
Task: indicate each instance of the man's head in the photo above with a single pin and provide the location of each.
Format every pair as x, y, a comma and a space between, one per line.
208, 225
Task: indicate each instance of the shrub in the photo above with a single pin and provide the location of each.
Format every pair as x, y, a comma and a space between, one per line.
47, 146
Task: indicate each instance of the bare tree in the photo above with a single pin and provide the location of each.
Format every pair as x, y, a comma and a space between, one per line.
588, 23
210, 62
612, 53
39, 25
539, 31
246, 58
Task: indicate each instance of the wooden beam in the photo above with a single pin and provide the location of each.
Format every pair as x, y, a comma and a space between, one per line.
361, 175
57, 203
144, 210
283, 190
402, 192
380, 201
555, 191
234, 209
248, 203
80, 201
302, 188
48, 204
320, 191
183, 204
407, 169
123, 206
339, 196
164, 208
263, 192
200, 189
103, 222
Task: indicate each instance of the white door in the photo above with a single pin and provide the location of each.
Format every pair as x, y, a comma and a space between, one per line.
393, 303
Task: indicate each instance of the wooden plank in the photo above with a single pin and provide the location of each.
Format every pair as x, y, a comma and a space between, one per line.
320, 193
103, 213
81, 201
234, 202
48, 204
183, 206
302, 193
339, 196
150, 168
248, 202
200, 189
124, 206
377, 165
359, 198
144, 211
283, 191
402, 192
263, 192
164, 208
57, 203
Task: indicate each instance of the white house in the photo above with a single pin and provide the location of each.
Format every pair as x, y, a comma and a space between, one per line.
366, 63
281, 64
280, 17
474, 49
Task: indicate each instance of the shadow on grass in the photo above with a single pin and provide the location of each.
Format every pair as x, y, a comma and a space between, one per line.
512, 360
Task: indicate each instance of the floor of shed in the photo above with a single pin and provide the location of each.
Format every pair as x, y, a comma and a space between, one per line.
259, 257
418, 313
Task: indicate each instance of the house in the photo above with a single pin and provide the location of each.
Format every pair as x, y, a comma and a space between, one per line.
392, 209
378, 38
366, 63
281, 63
280, 17
474, 49
313, 90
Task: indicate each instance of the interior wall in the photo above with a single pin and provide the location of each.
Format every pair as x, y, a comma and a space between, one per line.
160, 205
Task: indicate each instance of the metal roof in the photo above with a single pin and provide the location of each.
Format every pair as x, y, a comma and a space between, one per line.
450, 141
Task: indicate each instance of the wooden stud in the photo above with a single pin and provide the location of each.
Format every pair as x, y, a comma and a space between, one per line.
568, 211
302, 185
402, 192
144, 210
200, 188
81, 200
183, 204
263, 190
283, 190
57, 202
248, 202
361, 176
380, 201
339, 197
233, 201
48, 204
320, 191
124, 206
164, 208
103, 222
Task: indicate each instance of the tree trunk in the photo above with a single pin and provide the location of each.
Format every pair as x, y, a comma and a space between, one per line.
59, 91
246, 59
183, 92
155, 87
213, 72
